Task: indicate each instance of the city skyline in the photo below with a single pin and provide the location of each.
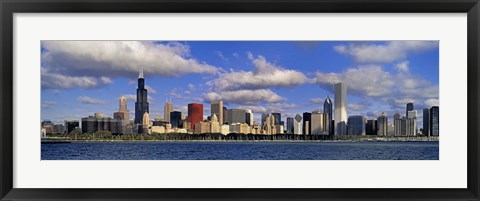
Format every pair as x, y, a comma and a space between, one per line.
261, 76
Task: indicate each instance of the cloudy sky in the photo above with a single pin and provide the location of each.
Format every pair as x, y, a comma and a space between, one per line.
83, 77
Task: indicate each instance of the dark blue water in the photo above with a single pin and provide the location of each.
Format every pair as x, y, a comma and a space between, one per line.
241, 151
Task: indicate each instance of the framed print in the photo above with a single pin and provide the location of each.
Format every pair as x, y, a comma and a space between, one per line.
263, 100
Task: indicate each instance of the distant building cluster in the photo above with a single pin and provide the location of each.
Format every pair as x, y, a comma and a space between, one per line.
333, 120
67, 127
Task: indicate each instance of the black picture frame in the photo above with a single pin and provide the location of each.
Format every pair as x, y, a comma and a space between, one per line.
10, 7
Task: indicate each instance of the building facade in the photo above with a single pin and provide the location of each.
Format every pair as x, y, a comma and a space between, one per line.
214, 124
216, 108
410, 107
92, 124
195, 114
278, 118
426, 122
236, 116
141, 105
371, 128
328, 112
318, 124
382, 121
297, 125
71, 125
122, 113
340, 109
289, 125
307, 119
356, 125
249, 117
176, 119
435, 121
167, 109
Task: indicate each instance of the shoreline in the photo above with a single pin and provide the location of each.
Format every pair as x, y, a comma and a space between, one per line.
265, 141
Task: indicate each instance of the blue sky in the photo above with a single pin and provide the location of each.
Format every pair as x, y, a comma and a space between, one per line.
83, 77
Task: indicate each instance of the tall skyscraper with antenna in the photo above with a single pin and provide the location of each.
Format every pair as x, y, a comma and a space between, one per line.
141, 105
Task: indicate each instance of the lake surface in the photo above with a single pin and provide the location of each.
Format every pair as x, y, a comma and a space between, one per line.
241, 151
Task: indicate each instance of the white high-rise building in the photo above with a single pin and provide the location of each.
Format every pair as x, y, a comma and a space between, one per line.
340, 109
297, 125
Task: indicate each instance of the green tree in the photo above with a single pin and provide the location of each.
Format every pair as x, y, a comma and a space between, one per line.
74, 134
103, 135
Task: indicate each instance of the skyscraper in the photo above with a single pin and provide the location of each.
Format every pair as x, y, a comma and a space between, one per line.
249, 117
216, 107
176, 119
141, 105
123, 104
328, 112
264, 116
356, 125
410, 107
195, 114
371, 127
297, 125
307, 128
225, 115
426, 122
290, 125
411, 123
122, 113
167, 109
398, 124
340, 109
236, 116
397, 116
70, 125
278, 118
434, 121
317, 124
412, 114
382, 121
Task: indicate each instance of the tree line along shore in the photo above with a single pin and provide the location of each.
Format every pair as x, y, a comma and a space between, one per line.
106, 136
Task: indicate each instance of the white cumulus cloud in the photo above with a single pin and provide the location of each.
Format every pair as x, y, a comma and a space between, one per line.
264, 75
103, 60
89, 100
245, 97
316, 100
385, 52
371, 82
59, 81
402, 66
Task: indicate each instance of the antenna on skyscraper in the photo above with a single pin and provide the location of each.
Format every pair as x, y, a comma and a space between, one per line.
140, 75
